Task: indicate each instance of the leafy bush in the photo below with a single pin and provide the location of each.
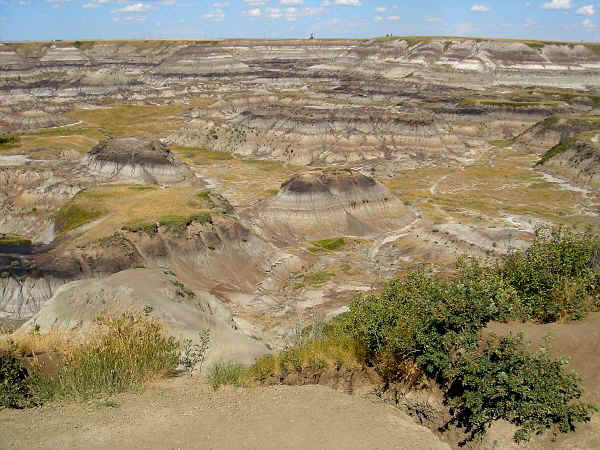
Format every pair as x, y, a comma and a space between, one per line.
193, 355
558, 276
506, 381
437, 324
15, 390
428, 319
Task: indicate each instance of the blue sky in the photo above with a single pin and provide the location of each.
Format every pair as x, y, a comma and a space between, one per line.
571, 20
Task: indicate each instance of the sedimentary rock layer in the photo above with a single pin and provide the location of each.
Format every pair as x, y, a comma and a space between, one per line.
136, 159
330, 202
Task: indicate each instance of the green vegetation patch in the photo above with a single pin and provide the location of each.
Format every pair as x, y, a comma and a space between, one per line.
227, 373
327, 245
314, 279
73, 216
559, 148
150, 228
502, 143
199, 154
11, 240
8, 141
60, 131
178, 224
508, 103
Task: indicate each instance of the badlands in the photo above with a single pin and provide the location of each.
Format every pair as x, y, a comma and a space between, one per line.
249, 186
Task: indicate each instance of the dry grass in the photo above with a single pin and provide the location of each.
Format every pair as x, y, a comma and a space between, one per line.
120, 205
117, 354
35, 343
132, 120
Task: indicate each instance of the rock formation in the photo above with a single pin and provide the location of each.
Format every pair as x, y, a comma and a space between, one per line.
333, 202
160, 294
136, 159
576, 159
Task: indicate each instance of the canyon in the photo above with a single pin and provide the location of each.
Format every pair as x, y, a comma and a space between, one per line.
249, 186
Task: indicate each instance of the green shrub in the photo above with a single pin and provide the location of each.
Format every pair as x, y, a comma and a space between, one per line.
227, 373
8, 139
428, 319
505, 380
557, 276
15, 389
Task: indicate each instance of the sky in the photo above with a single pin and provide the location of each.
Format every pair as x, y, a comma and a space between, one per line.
571, 20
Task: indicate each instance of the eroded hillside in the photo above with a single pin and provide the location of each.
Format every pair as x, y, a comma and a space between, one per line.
261, 183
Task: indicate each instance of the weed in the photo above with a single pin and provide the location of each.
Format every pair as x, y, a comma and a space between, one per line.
227, 373
193, 355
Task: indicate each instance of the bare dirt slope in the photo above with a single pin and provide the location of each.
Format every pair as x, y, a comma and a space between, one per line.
185, 413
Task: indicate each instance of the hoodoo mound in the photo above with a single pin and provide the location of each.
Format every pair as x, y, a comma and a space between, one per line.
327, 202
136, 159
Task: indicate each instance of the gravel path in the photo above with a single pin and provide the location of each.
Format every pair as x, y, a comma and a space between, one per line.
185, 413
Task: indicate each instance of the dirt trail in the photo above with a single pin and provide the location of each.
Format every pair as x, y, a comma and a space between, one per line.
184, 413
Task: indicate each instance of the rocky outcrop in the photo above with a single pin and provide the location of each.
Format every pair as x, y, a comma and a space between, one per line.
156, 292
215, 250
333, 202
136, 159
576, 159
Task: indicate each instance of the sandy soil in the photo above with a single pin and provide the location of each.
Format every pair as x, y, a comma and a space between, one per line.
184, 413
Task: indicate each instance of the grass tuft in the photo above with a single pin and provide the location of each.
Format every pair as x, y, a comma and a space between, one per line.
227, 373
327, 245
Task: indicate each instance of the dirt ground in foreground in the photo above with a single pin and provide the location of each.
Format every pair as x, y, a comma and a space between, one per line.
185, 413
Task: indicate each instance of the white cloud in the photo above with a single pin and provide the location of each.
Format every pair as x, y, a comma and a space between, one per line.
134, 7
433, 19
311, 11
255, 12
393, 17
479, 8
291, 2
342, 2
380, 9
255, 2
587, 23
290, 14
216, 16
221, 5
588, 10
557, 4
